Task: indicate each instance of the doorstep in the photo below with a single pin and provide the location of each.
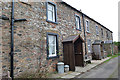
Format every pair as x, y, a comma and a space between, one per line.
79, 70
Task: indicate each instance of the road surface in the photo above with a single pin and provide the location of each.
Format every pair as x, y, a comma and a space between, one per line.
105, 70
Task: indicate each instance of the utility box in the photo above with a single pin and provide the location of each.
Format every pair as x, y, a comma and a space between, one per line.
60, 67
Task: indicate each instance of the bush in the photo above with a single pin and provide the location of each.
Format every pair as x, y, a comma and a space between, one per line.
109, 55
117, 44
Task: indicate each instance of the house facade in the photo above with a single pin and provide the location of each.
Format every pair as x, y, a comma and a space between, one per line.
38, 41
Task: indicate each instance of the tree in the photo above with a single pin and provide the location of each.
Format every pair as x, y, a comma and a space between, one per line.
117, 44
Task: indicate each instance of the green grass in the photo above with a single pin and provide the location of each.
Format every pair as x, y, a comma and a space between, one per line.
112, 57
109, 55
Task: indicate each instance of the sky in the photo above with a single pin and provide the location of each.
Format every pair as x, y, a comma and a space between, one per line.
103, 11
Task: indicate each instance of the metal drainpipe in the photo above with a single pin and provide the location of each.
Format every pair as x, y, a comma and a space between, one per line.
12, 41
112, 46
84, 33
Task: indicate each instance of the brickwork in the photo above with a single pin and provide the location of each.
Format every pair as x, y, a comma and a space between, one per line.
30, 45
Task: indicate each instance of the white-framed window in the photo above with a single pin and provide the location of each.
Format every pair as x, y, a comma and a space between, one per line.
52, 46
87, 26
97, 30
78, 26
111, 35
102, 32
51, 12
89, 45
107, 36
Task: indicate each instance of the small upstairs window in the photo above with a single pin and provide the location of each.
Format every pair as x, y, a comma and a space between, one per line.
102, 32
78, 26
107, 36
87, 26
97, 31
51, 12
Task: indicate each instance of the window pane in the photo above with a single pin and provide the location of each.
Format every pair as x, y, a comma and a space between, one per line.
78, 25
50, 49
53, 15
77, 22
52, 45
50, 7
87, 25
96, 29
102, 32
50, 14
89, 46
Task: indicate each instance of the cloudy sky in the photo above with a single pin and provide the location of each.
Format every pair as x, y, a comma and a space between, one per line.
103, 11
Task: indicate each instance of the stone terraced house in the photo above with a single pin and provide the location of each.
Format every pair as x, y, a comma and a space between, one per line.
52, 29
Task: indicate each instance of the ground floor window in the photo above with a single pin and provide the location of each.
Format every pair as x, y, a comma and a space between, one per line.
89, 46
52, 45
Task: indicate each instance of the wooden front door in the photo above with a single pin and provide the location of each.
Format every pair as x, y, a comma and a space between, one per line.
78, 53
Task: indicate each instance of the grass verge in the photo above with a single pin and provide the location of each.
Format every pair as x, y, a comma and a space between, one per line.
112, 57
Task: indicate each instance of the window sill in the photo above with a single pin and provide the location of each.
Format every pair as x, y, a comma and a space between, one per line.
53, 57
78, 29
52, 22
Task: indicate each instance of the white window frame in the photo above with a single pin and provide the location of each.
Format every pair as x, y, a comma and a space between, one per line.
78, 25
87, 26
52, 10
54, 44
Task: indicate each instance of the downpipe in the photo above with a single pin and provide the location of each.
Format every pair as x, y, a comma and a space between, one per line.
12, 42
84, 33
13, 20
84, 37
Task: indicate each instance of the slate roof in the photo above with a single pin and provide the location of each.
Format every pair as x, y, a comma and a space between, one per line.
72, 38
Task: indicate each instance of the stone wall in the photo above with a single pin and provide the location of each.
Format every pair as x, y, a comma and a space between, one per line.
0, 41
30, 45
116, 49
6, 10
30, 52
93, 36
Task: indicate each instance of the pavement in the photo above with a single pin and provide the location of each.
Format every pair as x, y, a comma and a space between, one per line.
79, 70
